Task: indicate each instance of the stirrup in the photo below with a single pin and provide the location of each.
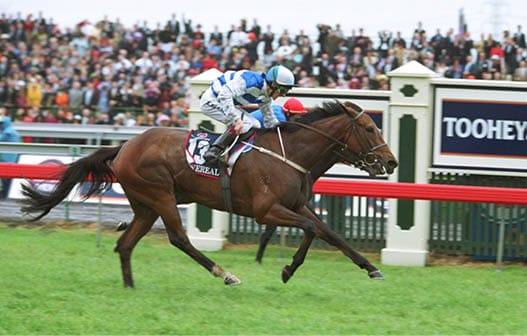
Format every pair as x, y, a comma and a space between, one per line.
212, 155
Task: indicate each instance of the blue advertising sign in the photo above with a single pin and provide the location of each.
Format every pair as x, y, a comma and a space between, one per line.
480, 129
377, 117
484, 128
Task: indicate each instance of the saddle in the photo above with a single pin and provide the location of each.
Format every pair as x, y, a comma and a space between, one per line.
197, 143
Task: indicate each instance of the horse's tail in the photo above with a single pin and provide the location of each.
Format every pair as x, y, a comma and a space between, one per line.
96, 166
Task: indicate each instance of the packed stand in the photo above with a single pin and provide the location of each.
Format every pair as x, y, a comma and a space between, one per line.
107, 73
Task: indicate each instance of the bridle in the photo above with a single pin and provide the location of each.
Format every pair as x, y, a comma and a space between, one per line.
363, 159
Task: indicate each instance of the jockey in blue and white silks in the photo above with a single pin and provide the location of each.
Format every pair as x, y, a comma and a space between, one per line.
229, 93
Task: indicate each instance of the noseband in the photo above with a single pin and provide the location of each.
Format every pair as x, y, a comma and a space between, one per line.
364, 159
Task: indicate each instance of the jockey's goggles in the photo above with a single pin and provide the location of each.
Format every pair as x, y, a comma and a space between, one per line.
283, 89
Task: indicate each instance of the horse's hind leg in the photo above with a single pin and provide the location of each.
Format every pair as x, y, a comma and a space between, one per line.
281, 216
144, 218
264, 240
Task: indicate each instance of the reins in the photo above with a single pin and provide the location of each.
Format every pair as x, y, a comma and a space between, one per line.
277, 156
364, 159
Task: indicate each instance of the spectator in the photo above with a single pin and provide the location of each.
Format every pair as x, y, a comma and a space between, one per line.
519, 37
75, 97
103, 104
362, 41
63, 117
7, 134
119, 120
509, 58
20, 95
90, 96
238, 38
496, 67
4, 92
163, 120
34, 93
173, 23
216, 35
268, 48
385, 41
520, 73
151, 96
144, 64
323, 71
399, 40
87, 117
130, 120
256, 29
80, 43
455, 70
103, 119
472, 68
323, 33
179, 112
62, 98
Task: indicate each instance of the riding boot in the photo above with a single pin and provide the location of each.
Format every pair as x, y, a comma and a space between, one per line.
216, 149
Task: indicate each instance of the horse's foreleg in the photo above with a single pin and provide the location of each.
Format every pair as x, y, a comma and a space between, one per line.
181, 241
324, 232
178, 237
299, 257
264, 240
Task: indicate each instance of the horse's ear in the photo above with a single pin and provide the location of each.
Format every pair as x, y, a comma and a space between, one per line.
354, 106
342, 105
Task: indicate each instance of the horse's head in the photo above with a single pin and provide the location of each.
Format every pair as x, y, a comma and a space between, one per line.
365, 145
354, 135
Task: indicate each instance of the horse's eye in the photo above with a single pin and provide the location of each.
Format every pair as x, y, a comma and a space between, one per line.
369, 129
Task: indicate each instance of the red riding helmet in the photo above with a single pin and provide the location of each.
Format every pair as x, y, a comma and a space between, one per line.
294, 106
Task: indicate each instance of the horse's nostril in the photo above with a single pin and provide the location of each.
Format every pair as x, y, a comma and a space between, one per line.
392, 164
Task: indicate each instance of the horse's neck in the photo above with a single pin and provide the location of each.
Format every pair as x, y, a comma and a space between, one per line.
313, 150
305, 147
323, 164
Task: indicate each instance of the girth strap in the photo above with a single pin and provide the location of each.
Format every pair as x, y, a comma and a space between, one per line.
225, 181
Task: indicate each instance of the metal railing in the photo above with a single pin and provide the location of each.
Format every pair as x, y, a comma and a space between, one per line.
92, 134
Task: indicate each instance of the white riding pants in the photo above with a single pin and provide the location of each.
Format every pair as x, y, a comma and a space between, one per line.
211, 107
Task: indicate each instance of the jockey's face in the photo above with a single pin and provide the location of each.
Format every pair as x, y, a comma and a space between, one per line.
276, 91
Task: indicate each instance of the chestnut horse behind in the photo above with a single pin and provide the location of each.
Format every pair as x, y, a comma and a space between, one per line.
155, 176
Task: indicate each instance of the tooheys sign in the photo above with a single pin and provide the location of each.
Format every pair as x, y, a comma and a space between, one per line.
482, 135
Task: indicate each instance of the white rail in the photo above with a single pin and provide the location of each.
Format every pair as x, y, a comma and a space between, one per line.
93, 134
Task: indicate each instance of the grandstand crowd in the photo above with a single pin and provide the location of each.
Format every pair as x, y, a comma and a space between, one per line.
107, 73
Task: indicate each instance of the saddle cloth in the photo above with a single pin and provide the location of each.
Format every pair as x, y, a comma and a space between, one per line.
198, 143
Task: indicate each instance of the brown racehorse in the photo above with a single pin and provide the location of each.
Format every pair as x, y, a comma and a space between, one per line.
155, 176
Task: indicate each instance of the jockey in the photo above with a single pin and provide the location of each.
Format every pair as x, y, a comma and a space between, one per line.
291, 107
229, 93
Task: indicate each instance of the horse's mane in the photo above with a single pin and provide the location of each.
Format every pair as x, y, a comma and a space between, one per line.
328, 109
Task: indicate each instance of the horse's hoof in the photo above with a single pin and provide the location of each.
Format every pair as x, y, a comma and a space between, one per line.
121, 226
286, 275
231, 280
376, 275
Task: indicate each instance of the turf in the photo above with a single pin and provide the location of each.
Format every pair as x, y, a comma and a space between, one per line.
57, 281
